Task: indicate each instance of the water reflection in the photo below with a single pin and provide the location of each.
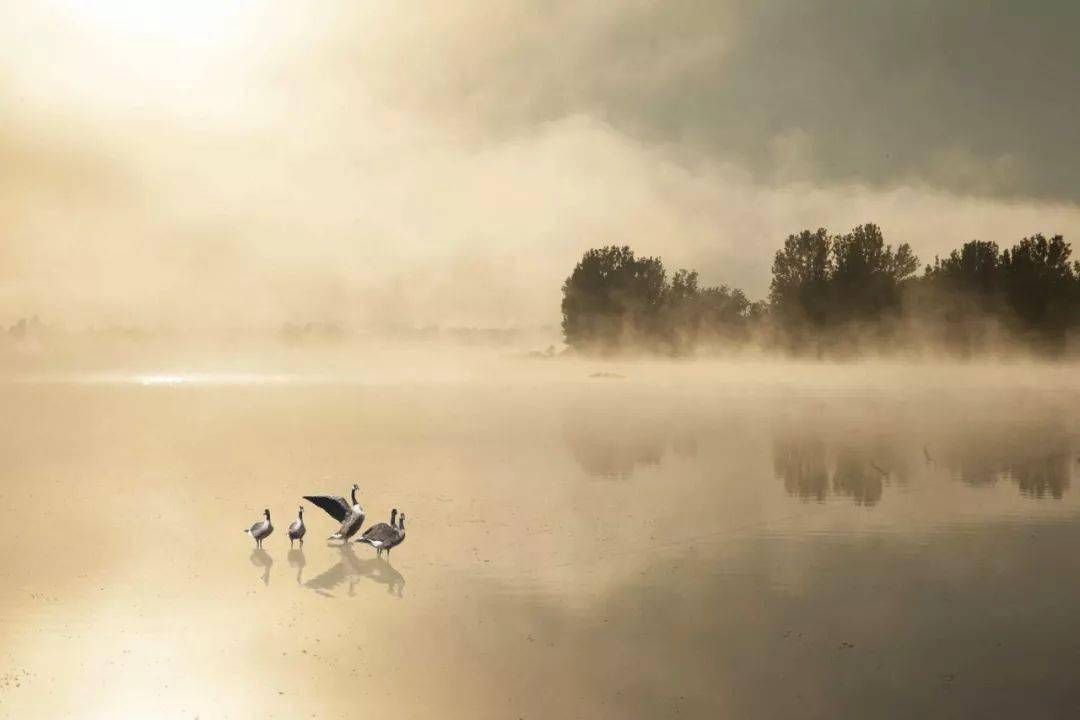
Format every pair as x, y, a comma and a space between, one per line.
297, 560
260, 558
858, 478
860, 473
1036, 458
700, 590
1042, 477
818, 457
800, 462
350, 569
612, 442
868, 627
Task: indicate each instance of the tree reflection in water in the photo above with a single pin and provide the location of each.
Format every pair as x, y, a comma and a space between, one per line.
611, 442
1036, 458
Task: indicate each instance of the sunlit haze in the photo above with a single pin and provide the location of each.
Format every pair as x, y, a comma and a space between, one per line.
243, 164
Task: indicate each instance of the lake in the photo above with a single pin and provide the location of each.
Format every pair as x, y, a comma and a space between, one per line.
585, 540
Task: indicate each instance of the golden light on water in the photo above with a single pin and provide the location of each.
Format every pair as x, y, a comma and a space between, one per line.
163, 379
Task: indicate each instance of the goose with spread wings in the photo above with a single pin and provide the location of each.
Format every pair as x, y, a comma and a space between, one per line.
350, 515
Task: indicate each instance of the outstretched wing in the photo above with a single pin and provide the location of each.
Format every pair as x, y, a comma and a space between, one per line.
335, 507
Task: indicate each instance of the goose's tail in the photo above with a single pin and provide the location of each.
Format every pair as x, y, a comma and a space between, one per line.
247, 531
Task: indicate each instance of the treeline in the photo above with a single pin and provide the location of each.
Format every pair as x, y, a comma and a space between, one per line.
833, 294
615, 300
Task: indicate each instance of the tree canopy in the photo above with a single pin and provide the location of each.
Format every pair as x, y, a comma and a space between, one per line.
828, 290
615, 301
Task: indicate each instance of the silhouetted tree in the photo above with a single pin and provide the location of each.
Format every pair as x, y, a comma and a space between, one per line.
693, 314
866, 274
958, 300
973, 269
801, 270
611, 298
827, 290
1041, 287
1029, 291
821, 283
614, 300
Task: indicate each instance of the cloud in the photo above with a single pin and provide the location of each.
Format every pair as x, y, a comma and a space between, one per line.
394, 162
968, 97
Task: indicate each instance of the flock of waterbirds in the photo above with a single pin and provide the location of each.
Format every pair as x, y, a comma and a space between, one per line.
382, 536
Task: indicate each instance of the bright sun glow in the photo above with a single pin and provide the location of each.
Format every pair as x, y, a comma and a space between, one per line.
119, 57
191, 23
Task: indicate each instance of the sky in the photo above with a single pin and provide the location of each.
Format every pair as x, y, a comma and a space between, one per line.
233, 163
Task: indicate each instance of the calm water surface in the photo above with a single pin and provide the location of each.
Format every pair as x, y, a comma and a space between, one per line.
577, 547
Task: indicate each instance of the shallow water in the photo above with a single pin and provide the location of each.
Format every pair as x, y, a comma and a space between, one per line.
672, 542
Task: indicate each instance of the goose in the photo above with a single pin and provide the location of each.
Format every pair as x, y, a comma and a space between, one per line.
261, 530
351, 516
297, 529
377, 536
385, 536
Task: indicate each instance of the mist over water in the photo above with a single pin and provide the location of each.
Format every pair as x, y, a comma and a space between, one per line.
585, 538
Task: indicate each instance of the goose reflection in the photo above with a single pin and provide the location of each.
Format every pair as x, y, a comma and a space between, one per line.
261, 558
350, 569
297, 560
